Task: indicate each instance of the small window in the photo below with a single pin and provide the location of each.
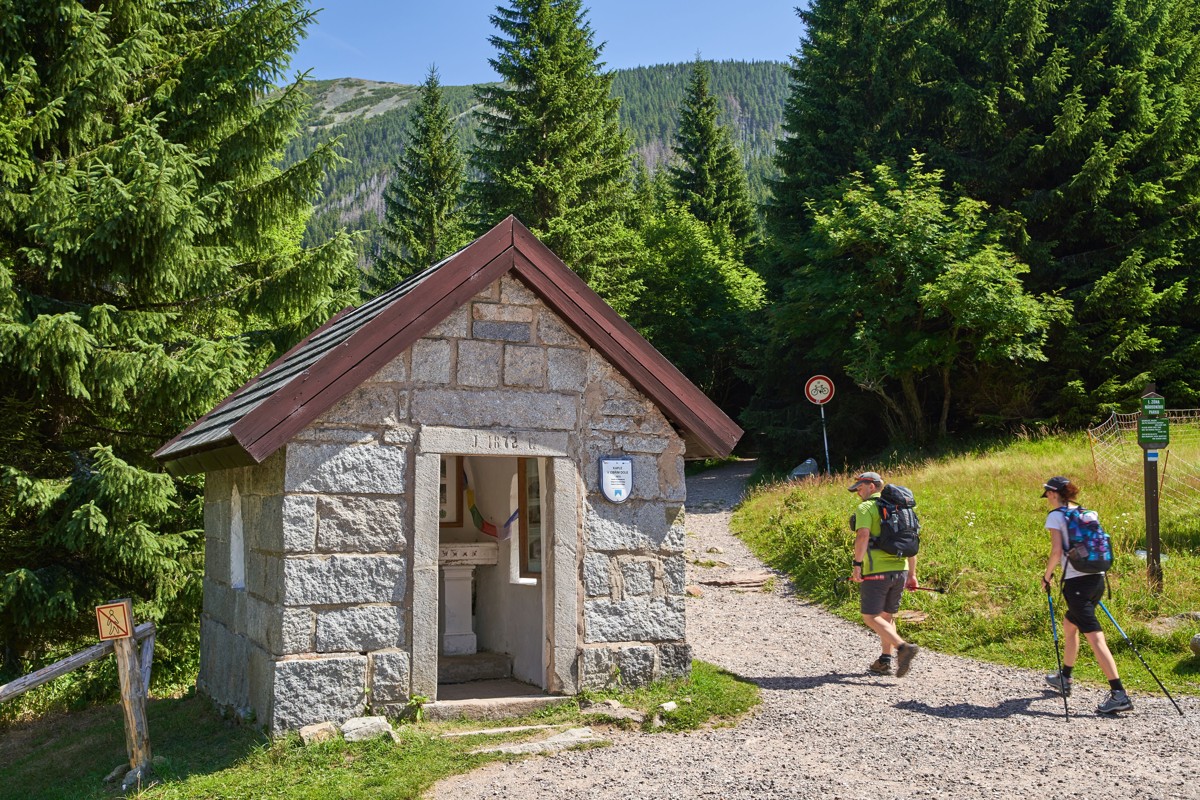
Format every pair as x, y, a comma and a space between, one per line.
237, 542
529, 490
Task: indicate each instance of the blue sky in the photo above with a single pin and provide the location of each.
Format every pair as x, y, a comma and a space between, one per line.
397, 41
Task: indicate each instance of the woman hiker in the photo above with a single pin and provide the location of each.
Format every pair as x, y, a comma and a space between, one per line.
1082, 592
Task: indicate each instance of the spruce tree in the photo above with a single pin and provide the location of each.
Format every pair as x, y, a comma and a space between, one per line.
550, 146
150, 262
424, 219
1074, 123
709, 178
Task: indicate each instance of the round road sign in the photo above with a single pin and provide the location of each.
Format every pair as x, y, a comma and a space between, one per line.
819, 389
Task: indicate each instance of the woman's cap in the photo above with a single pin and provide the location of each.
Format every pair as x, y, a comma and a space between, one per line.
1057, 484
866, 477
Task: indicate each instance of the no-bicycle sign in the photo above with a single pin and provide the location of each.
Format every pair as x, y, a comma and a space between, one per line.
819, 390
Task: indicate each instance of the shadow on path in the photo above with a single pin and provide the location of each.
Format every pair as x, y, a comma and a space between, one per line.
1020, 706
1009, 708
791, 683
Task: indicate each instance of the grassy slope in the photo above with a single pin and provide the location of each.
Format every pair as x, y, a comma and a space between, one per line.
982, 539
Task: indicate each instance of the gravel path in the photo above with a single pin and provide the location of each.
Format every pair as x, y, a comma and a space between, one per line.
952, 728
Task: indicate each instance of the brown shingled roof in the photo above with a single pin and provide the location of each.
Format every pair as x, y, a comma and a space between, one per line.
270, 409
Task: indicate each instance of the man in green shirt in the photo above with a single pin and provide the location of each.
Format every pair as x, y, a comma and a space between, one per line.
882, 578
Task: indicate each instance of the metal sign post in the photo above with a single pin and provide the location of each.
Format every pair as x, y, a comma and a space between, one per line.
819, 389
1153, 433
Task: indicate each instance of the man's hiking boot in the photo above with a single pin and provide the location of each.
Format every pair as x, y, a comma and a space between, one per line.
905, 653
880, 666
1056, 680
1117, 700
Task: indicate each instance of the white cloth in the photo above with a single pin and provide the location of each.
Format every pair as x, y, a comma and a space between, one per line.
1056, 520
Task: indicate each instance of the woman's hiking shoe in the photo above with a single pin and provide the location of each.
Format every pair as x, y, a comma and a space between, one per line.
1117, 700
905, 653
1056, 680
880, 666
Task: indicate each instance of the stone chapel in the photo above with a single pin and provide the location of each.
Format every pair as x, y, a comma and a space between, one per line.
482, 465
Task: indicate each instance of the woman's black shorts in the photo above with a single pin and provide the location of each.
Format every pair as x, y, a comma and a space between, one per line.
1082, 594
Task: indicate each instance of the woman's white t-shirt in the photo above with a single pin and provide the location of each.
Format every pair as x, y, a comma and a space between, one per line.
1056, 520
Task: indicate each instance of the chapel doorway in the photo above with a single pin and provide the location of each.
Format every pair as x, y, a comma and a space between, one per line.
491, 588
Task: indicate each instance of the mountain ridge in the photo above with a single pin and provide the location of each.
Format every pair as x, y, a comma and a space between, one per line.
370, 117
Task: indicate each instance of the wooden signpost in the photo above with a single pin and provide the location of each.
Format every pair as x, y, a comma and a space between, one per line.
115, 621
1153, 433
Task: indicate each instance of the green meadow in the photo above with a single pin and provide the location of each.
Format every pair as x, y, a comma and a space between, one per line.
982, 540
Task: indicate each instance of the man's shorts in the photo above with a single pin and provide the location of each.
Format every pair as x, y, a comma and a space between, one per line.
1082, 594
881, 593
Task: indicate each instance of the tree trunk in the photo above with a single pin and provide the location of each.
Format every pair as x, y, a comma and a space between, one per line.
942, 431
908, 383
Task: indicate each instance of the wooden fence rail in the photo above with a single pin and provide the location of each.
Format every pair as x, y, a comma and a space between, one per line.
143, 633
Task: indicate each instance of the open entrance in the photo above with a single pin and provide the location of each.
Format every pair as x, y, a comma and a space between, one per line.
495, 573
490, 559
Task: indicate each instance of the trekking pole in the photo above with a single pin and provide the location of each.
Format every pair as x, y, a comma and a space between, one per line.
938, 589
1062, 684
1129, 642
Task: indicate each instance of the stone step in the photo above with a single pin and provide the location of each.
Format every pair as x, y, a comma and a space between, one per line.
499, 699
474, 667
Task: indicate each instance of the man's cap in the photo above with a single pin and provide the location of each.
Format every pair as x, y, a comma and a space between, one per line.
866, 477
1057, 483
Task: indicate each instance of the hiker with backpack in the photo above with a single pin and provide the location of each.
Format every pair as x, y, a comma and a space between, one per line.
1081, 548
884, 565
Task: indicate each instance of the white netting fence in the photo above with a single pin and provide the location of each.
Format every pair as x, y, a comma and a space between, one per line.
1118, 457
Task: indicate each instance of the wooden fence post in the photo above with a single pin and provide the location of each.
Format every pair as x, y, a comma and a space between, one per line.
116, 623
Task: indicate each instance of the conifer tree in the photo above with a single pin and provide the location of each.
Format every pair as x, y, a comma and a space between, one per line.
709, 178
551, 149
424, 218
1075, 124
150, 262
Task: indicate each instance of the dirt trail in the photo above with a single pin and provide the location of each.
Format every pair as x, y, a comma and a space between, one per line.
952, 728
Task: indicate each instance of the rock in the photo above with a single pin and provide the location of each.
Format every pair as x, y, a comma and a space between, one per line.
1195, 645
714, 550
318, 732
618, 713
741, 579
360, 729
808, 469
138, 779
117, 773
694, 591
912, 617
669, 706
567, 739
498, 731
1165, 626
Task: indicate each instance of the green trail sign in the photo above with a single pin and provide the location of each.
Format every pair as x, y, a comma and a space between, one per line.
1153, 433
1153, 405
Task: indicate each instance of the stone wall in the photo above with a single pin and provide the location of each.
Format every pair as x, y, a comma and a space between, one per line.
325, 625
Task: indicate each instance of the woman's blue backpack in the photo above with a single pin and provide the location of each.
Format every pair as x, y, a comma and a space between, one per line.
1089, 548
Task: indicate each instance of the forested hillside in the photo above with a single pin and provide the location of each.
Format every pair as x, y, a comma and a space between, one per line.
370, 116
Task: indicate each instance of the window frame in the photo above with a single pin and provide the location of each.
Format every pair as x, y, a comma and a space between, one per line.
523, 507
453, 483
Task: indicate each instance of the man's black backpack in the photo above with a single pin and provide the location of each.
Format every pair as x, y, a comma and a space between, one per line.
899, 528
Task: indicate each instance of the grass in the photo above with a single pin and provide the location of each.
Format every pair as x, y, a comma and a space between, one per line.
200, 755
699, 465
982, 539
